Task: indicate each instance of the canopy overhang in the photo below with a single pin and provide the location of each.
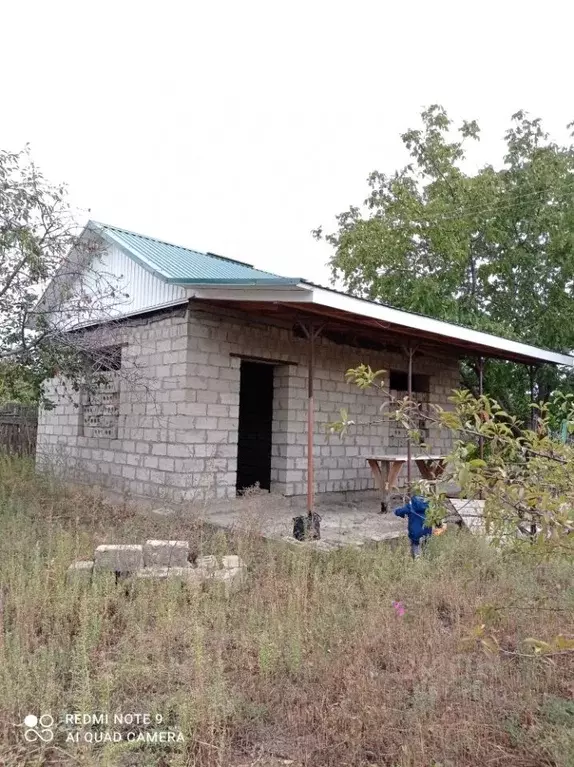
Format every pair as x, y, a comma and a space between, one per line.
377, 321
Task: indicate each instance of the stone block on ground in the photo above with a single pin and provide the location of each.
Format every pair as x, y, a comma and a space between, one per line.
190, 575
165, 553
230, 578
187, 574
231, 562
153, 573
122, 558
208, 562
81, 570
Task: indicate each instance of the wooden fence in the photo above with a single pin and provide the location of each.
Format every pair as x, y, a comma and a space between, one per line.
18, 428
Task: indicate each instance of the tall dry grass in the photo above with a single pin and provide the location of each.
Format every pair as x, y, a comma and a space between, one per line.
308, 662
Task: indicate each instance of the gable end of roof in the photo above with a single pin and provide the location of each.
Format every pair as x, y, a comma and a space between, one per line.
179, 265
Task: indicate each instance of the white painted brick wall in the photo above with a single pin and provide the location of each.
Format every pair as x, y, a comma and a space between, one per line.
179, 410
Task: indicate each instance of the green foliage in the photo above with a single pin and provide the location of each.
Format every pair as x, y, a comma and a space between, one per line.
559, 644
363, 376
524, 474
18, 383
36, 231
493, 250
559, 711
38, 242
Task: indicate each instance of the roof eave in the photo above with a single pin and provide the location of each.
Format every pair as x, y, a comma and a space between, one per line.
241, 282
481, 340
467, 341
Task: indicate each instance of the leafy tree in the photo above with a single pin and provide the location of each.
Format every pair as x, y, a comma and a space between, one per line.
523, 474
493, 250
18, 383
39, 239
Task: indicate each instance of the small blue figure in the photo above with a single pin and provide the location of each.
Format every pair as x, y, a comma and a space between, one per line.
419, 533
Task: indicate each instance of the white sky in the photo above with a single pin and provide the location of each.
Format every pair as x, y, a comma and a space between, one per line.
237, 127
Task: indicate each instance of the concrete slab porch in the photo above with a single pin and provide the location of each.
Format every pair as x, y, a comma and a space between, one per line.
342, 524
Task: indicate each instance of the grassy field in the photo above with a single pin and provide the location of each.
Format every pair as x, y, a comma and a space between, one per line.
309, 664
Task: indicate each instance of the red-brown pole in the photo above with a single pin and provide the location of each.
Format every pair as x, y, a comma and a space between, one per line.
310, 423
410, 393
480, 393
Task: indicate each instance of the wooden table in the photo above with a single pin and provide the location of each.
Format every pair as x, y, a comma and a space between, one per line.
386, 470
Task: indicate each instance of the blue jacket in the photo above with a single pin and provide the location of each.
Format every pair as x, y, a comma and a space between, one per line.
415, 510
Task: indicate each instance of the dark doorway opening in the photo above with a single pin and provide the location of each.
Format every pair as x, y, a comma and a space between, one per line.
255, 424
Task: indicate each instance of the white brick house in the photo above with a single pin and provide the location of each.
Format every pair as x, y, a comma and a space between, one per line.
220, 395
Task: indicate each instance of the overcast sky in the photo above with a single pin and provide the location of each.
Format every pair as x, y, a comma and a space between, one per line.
237, 127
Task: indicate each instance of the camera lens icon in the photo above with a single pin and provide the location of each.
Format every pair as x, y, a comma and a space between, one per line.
39, 728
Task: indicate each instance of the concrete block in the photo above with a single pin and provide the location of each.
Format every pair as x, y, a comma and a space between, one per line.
220, 411
123, 558
166, 464
231, 561
81, 570
188, 574
208, 422
165, 553
231, 579
226, 479
153, 573
208, 397
179, 451
191, 575
208, 562
194, 409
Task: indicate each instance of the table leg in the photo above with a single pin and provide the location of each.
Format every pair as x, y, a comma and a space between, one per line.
431, 470
393, 475
380, 473
385, 477
425, 469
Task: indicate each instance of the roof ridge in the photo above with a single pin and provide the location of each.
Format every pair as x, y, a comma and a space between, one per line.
173, 245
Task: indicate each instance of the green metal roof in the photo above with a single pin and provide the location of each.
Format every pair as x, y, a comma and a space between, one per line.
175, 264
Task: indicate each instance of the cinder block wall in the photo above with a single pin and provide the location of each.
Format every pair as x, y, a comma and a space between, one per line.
152, 383
179, 410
